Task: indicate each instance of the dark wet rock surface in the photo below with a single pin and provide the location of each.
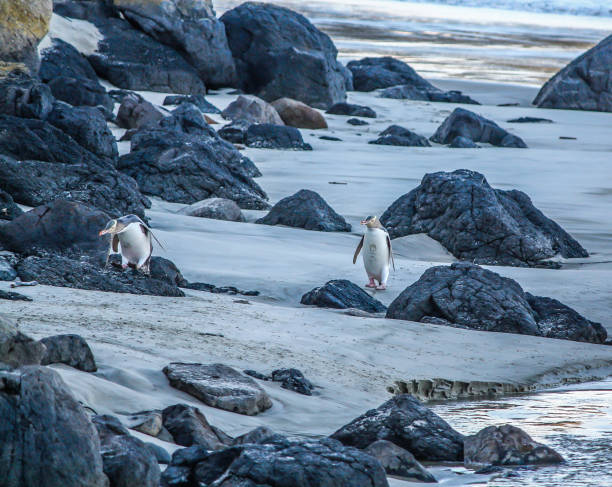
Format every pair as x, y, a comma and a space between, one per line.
351, 110
16, 348
189, 427
290, 379
198, 100
342, 294
267, 136
398, 462
71, 350
400, 136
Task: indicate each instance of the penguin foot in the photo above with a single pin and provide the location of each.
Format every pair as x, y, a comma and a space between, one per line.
371, 284
381, 287
124, 266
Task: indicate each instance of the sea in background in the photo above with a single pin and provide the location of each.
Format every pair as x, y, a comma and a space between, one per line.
508, 41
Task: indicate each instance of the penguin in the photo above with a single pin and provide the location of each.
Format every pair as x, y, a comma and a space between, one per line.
377, 252
134, 237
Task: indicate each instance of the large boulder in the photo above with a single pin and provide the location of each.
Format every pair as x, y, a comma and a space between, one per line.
463, 123
305, 209
215, 208
268, 136
398, 462
404, 421
81, 92
23, 23
479, 223
342, 294
396, 135
189, 27
62, 59
132, 60
183, 160
16, 348
584, 84
189, 427
279, 53
127, 461
476, 298
507, 445
297, 114
46, 437
278, 462
24, 96
71, 350
219, 386
252, 109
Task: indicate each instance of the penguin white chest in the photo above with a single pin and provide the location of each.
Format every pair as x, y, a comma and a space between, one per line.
135, 245
375, 252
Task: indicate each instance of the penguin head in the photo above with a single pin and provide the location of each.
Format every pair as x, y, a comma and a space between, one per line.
371, 222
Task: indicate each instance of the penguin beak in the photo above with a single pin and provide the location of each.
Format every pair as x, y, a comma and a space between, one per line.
110, 228
103, 232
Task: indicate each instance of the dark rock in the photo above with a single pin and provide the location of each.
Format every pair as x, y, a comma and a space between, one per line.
24, 96
357, 122
219, 386
299, 463
132, 60
198, 100
17, 349
396, 135
188, 457
530, 120
87, 126
371, 74
409, 92
584, 84
127, 460
211, 288
507, 445
175, 476
257, 375
71, 350
12, 296
259, 435
46, 437
475, 127
8, 209
235, 132
297, 114
461, 142
183, 160
399, 462
63, 60
189, 427
293, 380
215, 208
305, 209
330, 138
39, 229
351, 110
279, 53
91, 10
165, 270
160, 454
82, 272
404, 421
7, 262
135, 112
190, 28
478, 223
479, 299
80, 92
252, 109
268, 136
342, 294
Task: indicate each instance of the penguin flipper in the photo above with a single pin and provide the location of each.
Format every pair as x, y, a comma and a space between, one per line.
390, 251
147, 231
115, 243
358, 249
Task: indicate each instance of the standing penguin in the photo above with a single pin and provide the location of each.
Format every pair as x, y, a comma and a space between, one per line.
377, 252
134, 237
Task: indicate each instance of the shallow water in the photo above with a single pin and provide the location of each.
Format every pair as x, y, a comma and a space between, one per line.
576, 421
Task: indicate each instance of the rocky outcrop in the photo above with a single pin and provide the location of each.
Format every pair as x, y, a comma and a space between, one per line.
398, 462
342, 294
252, 109
189, 427
62, 59
399, 80
199, 101
215, 208
507, 445
290, 379
9, 210
297, 114
279, 461
81, 92
219, 386
267, 136
190, 28
478, 223
135, 112
16, 348
45, 433
279, 53
183, 160
24, 96
404, 421
126, 459
23, 23
584, 84
305, 209
476, 128
351, 110
71, 350
396, 135
472, 297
